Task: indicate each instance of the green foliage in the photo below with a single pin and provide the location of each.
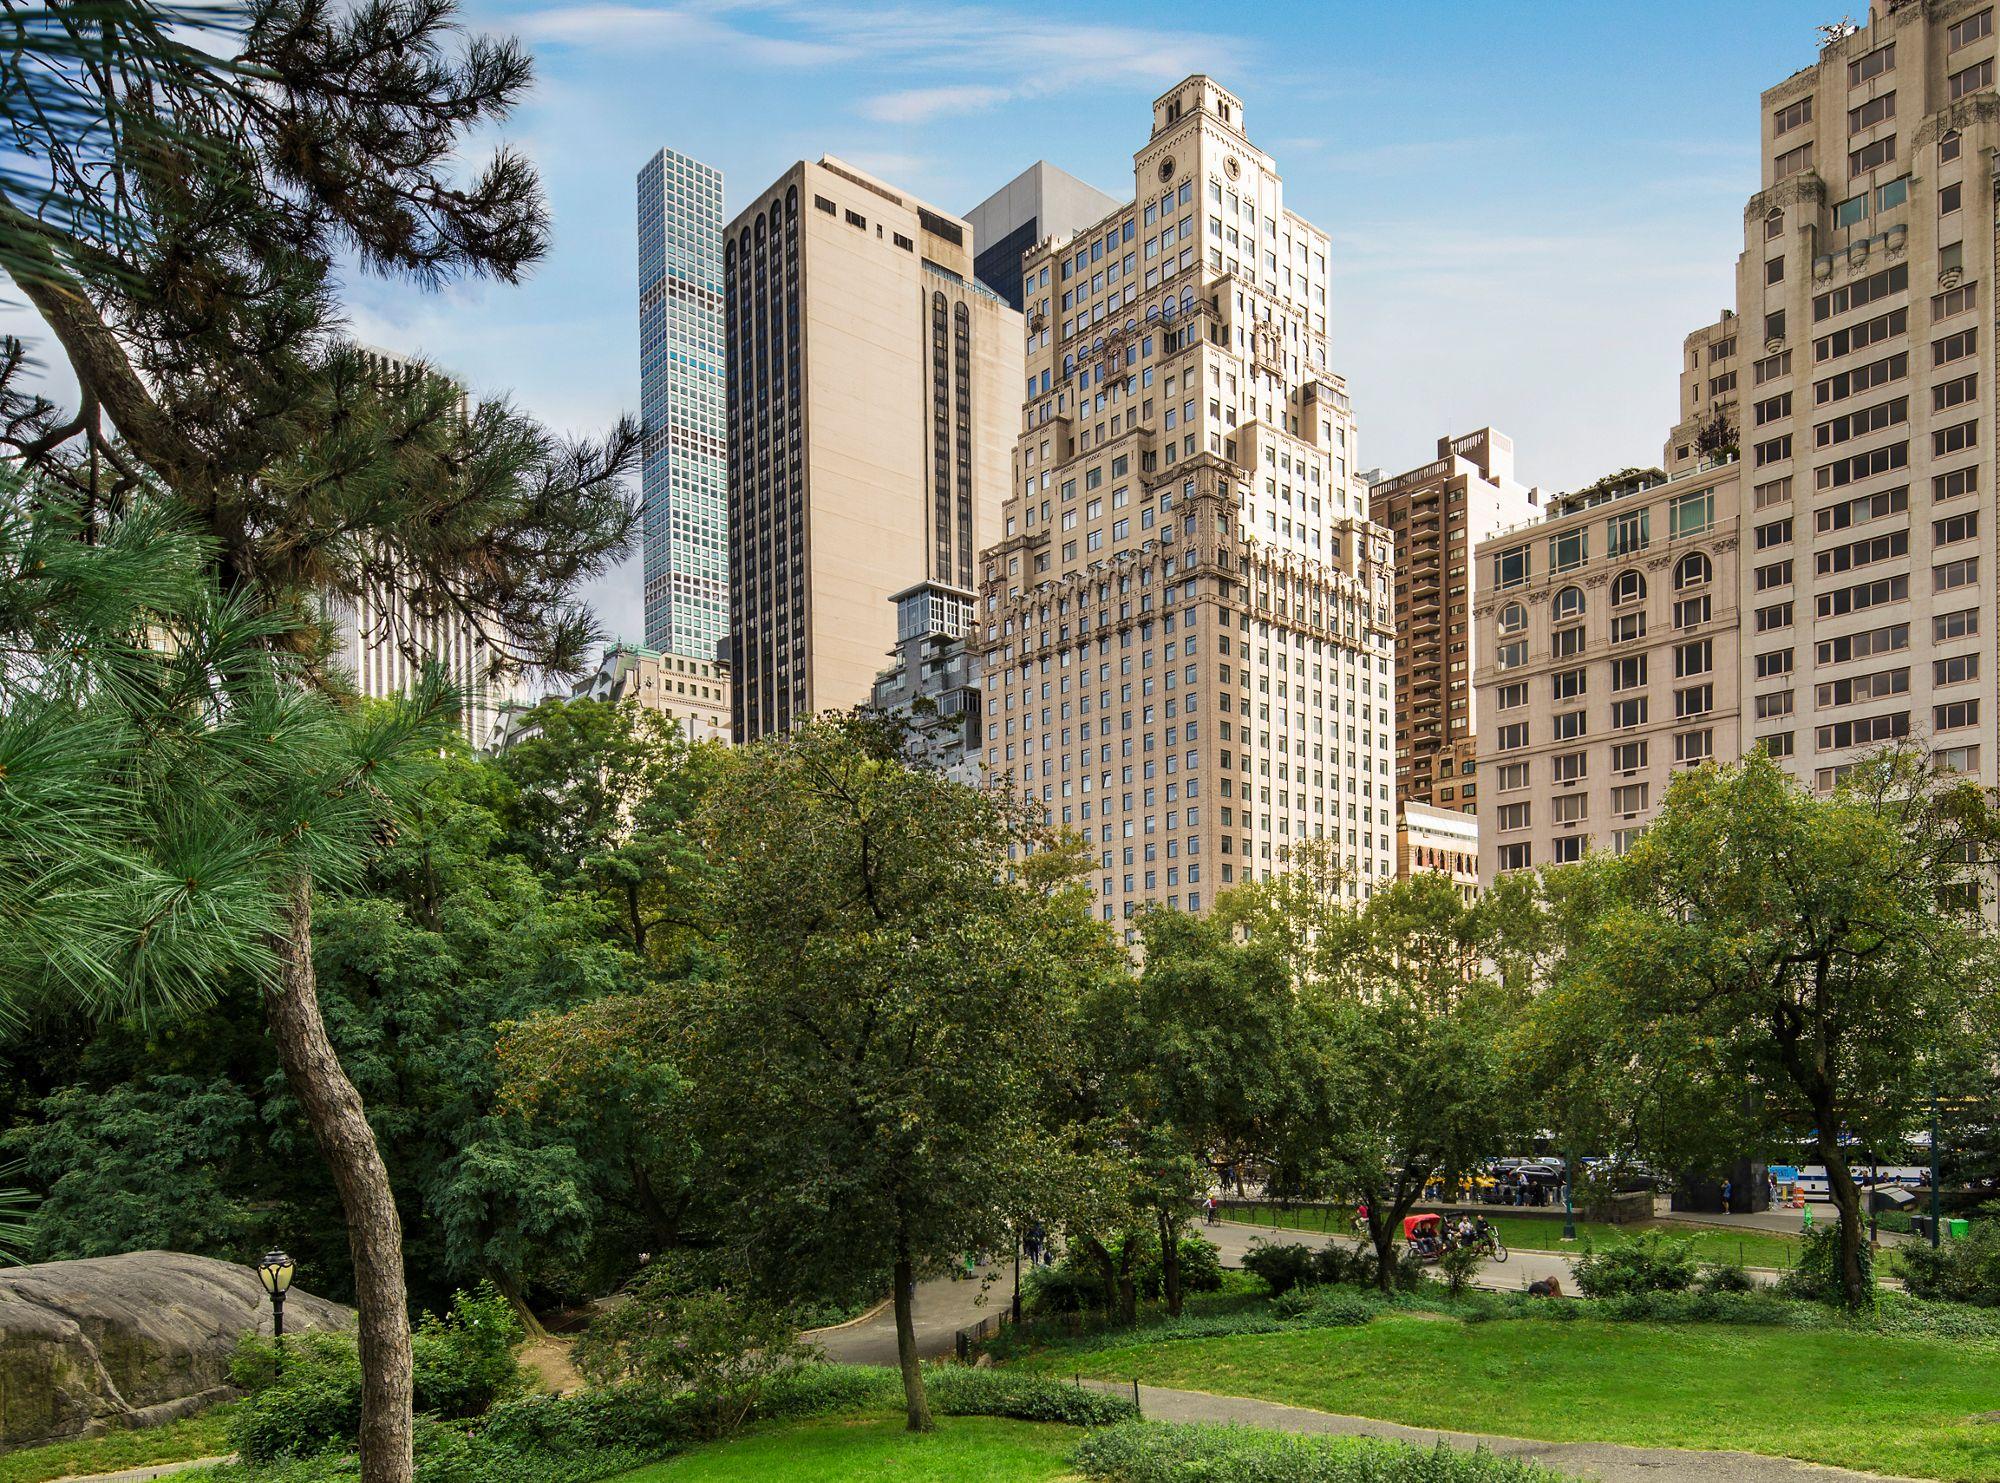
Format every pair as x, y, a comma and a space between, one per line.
1155, 1452
712, 1348
1964, 1269
1282, 1267
139, 1166
1725, 1277
1459, 1266
464, 1362
1817, 1276
1652, 1261
1201, 1268
958, 1391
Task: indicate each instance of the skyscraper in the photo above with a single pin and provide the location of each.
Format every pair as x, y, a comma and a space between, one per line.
685, 476
874, 390
1811, 573
1186, 618
1437, 514
1041, 201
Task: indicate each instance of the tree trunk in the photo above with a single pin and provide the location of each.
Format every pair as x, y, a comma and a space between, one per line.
1170, 1261
916, 1407
374, 1229
511, 1291
1107, 1273
1382, 1231
1856, 1290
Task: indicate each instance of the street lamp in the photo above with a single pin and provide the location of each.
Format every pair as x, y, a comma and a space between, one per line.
275, 1270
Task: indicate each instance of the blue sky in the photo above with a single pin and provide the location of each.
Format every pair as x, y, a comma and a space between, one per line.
1529, 204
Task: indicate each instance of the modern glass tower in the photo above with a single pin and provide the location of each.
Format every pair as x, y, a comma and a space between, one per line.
681, 386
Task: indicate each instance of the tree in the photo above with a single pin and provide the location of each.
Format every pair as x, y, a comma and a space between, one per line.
1415, 1027
1805, 963
181, 249
893, 1017
1206, 1061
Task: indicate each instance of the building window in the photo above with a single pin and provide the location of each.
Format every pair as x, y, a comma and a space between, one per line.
1955, 574
1956, 670
1514, 856
1774, 270
1694, 746
1627, 627
1777, 615
1628, 713
1568, 767
1953, 715
1791, 116
1973, 28
1691, 514
1691, 611
1866, 732
1874, 111
1874, 64
1693, 570
1960, 527
1774, 663
1629, 587
1948, 148
1696, 658
1948, 626
1568, 604
1565, 642
1510, 568
1513, 618
1513, 655
1792, 161
1853, 209
1872, 156
1954, 484
1979, 75
1628, 673
1949, 199
1568, 725
1626, 533
1515, 815
1628, 758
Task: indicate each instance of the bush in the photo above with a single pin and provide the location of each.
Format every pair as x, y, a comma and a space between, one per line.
1282, 1267
1964, 1270
1201, 1268
1817, 1275
957, 1391
713, 1349
1725, 1277
1652, 1261
1150, 1452
462, 1362
1336, 1263
1459, 1266
1072, 1285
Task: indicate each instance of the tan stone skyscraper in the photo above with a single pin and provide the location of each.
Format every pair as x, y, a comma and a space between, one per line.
1187, 628
1436, 515
874, 393
1815, 575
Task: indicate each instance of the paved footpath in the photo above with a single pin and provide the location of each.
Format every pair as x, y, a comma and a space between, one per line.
944, 1306
1604, 1461
148, 1472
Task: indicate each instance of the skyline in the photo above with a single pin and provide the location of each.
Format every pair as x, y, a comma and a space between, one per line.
1484, 189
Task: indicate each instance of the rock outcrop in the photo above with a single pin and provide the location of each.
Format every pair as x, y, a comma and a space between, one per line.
133, 1340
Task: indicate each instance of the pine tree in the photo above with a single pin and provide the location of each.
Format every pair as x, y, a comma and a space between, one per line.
175, 212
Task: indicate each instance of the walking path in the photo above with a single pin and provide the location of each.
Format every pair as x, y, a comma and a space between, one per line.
1605, 1461
944, 1306
148, 1472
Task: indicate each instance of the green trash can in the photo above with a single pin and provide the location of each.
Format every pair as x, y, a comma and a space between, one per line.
1957, 1228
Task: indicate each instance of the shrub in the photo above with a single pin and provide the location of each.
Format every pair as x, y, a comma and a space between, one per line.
1335, 1263
1072, 1285
1150, 1452
712, 1348
462, 1363
1817, 1275
1332, 1310
1459, 1266
1964, 1270
1652, 1261
1725, 1277
957, 1391
1282, 1267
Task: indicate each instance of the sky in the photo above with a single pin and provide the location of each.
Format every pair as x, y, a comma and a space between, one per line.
1529, 205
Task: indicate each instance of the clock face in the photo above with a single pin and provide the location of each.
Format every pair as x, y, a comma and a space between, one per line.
1167, 168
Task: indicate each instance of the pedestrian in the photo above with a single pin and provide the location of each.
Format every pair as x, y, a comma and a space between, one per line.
1211, 1211
1728, 1191
1770, 1188
1031, 1242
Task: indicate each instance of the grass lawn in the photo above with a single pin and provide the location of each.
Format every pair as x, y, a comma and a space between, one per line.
1878, 1403
198, 1436
1528, 1233
963, 1449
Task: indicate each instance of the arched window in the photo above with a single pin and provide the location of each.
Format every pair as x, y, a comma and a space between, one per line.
1513, 618
1693, 571
1569, 603
1629, 586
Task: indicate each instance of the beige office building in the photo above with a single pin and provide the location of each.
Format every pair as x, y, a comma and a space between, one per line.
1841, 416
1607, 657
1188, 637
874, 396
692, 693
1438, 841
1437, 514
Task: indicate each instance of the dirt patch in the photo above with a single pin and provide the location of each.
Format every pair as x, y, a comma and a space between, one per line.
548, 1360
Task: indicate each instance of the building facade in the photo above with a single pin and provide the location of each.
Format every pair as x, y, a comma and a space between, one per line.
1864, 296
1607, 656
932, 685
1438, 841
1437, 514
685, 474
1040, 202
692, 693
1187, 626
1839, 422
388, 632
874, 393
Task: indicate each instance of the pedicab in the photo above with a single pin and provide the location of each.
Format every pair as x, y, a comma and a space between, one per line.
1424, 1234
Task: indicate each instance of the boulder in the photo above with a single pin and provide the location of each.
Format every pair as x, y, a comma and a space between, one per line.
133, 1340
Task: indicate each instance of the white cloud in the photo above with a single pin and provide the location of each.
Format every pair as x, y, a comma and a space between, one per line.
919, 105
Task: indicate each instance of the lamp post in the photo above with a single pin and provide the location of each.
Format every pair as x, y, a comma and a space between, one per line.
1569, 1205
1936, 1233
275, 1271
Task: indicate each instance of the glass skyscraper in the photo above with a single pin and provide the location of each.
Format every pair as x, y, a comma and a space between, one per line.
685, 477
